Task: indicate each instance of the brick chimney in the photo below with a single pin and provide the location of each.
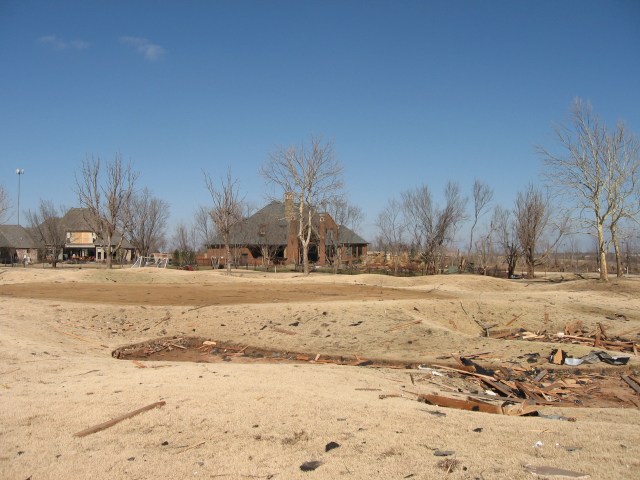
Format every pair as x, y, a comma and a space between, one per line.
288, 206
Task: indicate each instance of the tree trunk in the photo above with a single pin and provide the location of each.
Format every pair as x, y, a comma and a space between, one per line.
602, 255
305, 258
108, 251
228, 260
616, 248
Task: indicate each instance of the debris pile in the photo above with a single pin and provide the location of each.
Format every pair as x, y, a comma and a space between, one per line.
574, 333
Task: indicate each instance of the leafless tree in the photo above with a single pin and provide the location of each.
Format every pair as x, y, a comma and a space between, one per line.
432, 227
623, 188
184, 244
532, 218
312, 174
148, 222
392, 232
226, 211
507, 238
204, 225
599, 169
107, 193
346, 216
482, 197
46, 222
5, 204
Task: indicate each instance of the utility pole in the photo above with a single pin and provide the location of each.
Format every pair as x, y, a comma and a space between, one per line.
19, 172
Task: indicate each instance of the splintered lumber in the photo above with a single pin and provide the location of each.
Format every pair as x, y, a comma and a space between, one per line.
111, 423
471, 405
285, 331
631, 383
515, 317
499, 386
540, 376
554, 472
479, 375
402, 325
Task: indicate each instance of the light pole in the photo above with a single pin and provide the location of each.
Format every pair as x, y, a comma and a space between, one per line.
19, 172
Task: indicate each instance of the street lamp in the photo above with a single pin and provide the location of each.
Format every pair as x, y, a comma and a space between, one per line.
19, 172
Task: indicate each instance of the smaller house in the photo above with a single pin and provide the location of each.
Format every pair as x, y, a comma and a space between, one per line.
17, 245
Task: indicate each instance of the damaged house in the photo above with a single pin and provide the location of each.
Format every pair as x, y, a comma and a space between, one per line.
269, 236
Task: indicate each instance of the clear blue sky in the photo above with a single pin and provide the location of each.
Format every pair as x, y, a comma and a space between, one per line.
410, 92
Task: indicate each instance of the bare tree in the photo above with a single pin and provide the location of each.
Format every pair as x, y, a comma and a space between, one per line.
532, 217
204, 225
148, 222
392, 231
5, 204
226, 212
599, 170
622, 188
345, 216
312, 175
184, 244
432, 227
46, 222
107, 194
482, 196
507, 238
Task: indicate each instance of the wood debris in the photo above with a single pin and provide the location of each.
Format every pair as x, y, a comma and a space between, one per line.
573, 333
111, 423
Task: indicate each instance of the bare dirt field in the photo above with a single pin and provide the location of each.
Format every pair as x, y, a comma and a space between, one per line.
256, 375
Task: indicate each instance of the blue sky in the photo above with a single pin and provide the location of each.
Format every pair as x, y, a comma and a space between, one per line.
409, 92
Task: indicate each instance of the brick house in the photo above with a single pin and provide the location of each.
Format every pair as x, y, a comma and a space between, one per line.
270, 236
17, 244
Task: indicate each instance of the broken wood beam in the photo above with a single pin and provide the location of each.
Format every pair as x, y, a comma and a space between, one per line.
111, 423
470, 405
500, 387
631, 383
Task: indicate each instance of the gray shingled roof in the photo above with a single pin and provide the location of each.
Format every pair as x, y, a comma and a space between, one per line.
75, 221
16, 236
268, 226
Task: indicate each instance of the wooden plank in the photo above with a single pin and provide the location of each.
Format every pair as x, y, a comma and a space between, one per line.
540, 376
515, 317
282, 330
499, 386
631, 383
470, 405
479, 375
554, 472
111, 423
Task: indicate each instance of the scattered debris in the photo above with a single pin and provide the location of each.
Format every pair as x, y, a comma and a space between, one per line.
331, 446
111, 423
448, 464
574, 333
310, 466
554, 472
444, 453
195, 445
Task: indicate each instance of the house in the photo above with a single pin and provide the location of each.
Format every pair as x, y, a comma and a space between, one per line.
17, 245
270, 236
83, 243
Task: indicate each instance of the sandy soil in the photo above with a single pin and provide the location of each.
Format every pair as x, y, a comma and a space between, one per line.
58, 329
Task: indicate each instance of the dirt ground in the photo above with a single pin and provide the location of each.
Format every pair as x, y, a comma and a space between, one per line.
264, 418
